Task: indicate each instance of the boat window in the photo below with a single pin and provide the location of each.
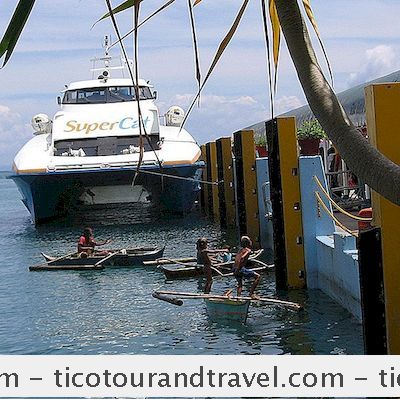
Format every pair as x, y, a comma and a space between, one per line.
70, 97
102, 95
91, 96
145, 93
122, 93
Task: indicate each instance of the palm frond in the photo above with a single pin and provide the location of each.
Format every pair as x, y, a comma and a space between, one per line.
14, 29
122, 7
268, 53
195, 47
223, 45
310, 15
168, 3
276, 37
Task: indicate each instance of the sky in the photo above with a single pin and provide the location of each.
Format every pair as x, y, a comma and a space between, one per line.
362, 38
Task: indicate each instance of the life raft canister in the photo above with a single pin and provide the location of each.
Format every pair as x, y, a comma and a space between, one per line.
365, 213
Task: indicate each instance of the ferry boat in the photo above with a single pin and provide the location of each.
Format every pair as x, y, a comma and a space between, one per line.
91, 151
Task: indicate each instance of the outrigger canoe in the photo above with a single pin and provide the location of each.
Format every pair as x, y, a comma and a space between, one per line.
225, 269
99, 260
223, 307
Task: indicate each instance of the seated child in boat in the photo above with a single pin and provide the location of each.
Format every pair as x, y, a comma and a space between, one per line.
239, 269
87, 244
205, 257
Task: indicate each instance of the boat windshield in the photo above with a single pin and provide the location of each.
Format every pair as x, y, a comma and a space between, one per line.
101, 95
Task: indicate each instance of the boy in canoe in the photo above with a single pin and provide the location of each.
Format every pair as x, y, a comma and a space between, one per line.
205, 257
239, 269
86, 243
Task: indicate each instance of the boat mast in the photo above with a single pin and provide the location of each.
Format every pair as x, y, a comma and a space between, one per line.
106, 58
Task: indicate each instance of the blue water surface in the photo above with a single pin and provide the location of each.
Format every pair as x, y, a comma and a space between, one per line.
112, 311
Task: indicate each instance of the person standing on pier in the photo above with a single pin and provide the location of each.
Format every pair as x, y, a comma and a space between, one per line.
239, 269
205, 257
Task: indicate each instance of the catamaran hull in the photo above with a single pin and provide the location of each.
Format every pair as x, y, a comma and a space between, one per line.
52, 195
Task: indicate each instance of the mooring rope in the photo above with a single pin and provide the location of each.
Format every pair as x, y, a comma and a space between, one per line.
336, 205
214, 183
178, 141
337, 221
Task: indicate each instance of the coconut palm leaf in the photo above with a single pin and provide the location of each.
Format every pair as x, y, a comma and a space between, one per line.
122, 7
14, 29
310, 15
276, 38
268, 52
168, 3
141, 123
136, 86
276, 32
195, 47
223, 45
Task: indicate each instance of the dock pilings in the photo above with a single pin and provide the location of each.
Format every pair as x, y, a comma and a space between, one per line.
237, 199
286, 203
213, 189
382, 106
310, 244
372, 292
233, 202
203, 192
246, 185
226, 188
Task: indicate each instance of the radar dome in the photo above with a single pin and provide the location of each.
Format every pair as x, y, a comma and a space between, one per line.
174, 116
41, 124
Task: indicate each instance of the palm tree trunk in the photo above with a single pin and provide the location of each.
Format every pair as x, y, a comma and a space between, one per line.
364, 160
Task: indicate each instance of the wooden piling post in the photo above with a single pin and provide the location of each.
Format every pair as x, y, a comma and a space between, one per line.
226, 192
212, 190
286, 203
382, 111
203, 192
372, 291
214, 178
246, 185
208, 188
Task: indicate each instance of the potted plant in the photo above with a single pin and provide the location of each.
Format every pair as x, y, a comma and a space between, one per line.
309, 134
260, 142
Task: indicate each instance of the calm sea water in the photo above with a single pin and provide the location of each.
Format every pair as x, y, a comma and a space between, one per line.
112, 311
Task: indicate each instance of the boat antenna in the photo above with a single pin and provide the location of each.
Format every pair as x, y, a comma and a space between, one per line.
106, 46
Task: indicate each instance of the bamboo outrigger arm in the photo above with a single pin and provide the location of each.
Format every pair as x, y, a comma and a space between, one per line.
166, 261
192, 295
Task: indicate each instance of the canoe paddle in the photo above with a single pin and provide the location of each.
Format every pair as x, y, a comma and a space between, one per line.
106, 258
61, 257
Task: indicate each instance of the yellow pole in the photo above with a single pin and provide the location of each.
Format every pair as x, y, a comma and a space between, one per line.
204, 188
214, 178
383, 118
226, 186
290, 181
